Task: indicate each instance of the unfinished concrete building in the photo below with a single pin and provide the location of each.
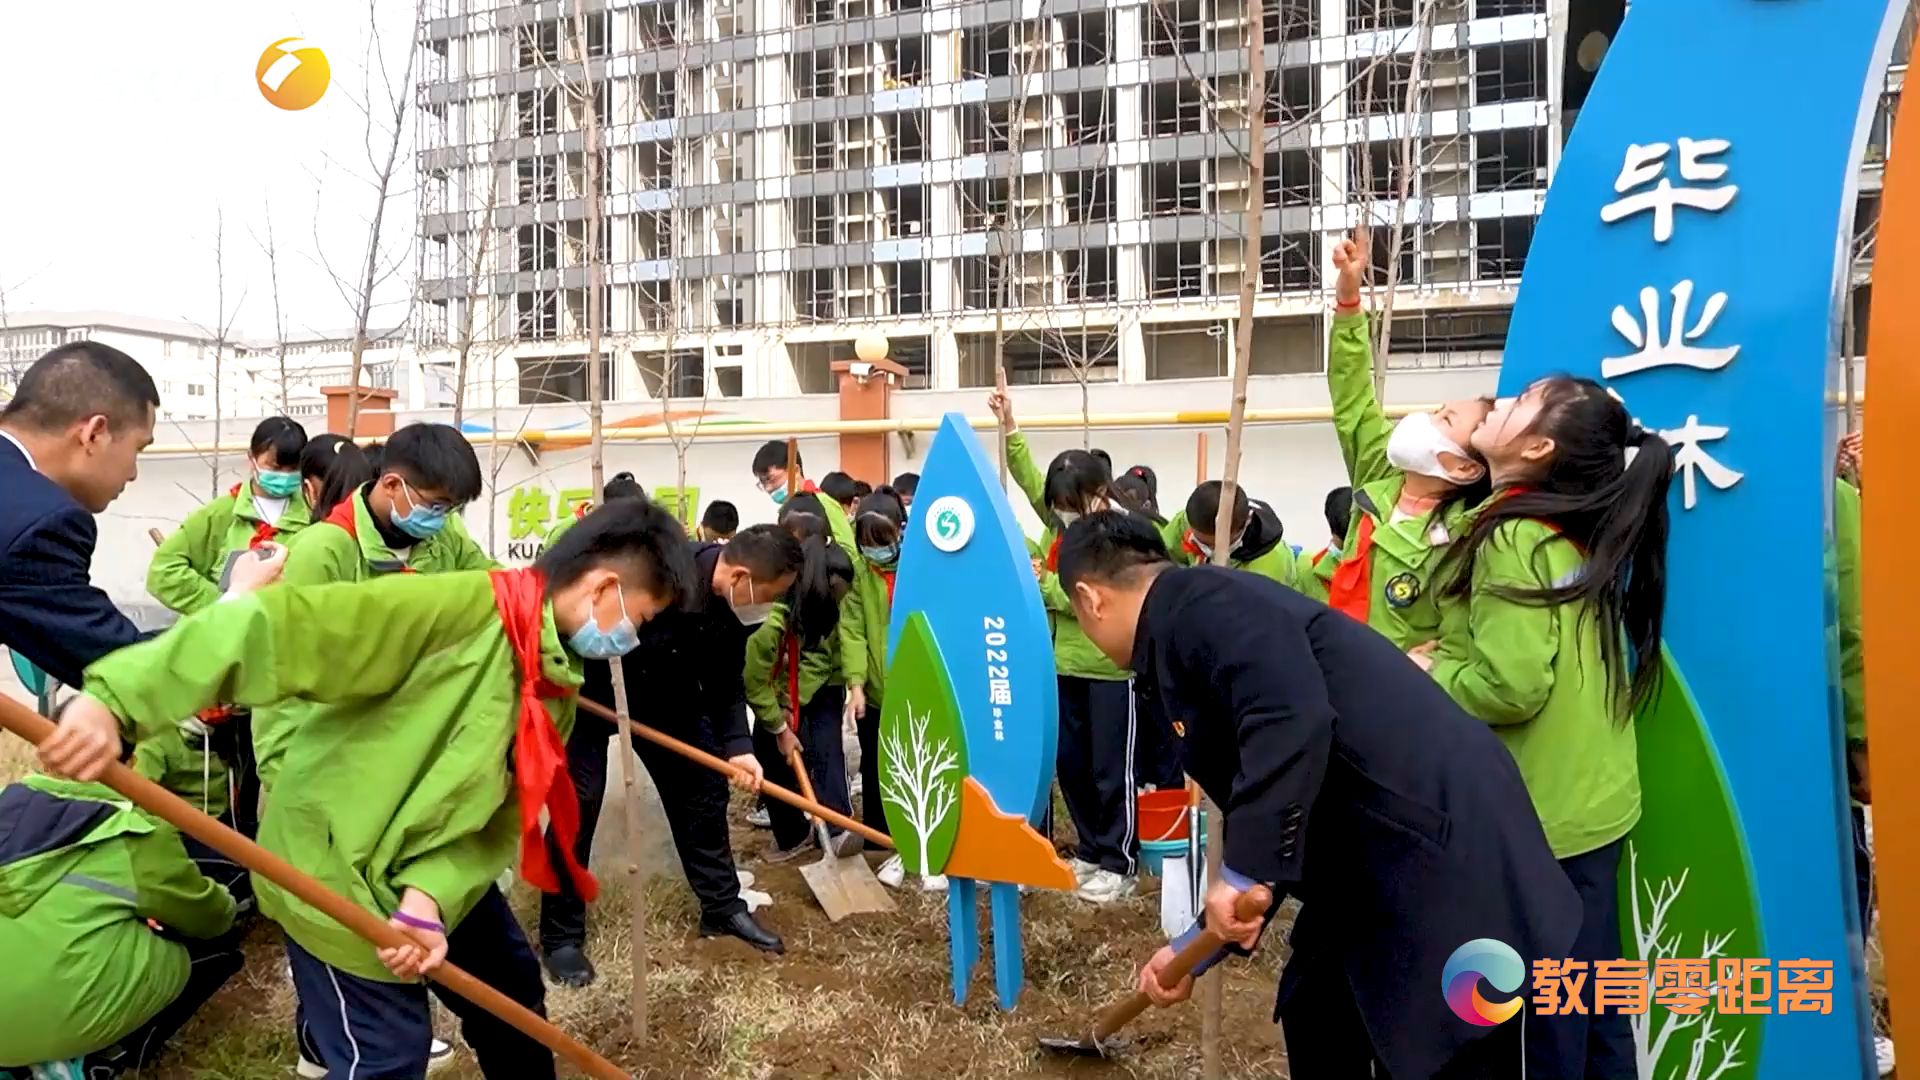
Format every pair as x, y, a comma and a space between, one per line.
1067, 176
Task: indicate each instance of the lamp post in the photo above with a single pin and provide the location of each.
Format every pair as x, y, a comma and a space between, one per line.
871, 346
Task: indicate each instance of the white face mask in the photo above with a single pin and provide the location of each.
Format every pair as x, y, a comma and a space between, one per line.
749, 614
1416, 445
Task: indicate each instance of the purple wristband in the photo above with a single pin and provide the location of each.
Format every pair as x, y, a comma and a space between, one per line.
418, 923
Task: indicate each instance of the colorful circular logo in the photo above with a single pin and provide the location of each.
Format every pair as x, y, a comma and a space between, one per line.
292, 74
1482, 958
950, 523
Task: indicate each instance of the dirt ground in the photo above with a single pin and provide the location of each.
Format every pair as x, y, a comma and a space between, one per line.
868, 999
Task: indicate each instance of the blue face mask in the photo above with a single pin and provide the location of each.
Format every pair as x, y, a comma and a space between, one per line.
778, 495
278, 485
594, 643
421, 522
882, 555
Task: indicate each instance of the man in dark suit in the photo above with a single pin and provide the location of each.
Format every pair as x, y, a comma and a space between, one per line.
1348, 779
69, 440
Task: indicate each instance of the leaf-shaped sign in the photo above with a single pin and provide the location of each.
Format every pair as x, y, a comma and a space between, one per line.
923, 751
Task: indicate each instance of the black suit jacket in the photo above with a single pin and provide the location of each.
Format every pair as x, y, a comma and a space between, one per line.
50, 611
1350, 779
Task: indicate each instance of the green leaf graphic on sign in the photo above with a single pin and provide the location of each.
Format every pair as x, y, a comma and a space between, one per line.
923, 752
1686, 890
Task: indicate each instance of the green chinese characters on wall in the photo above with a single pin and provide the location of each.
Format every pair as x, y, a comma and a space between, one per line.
534, 510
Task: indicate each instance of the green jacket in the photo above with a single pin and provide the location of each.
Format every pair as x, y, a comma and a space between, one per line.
1073, 653
1537, 676
181, 762
326, 554
863, 629
83, 872
1853, 666
402, 769
1405, 556
765, 674
185, 571
1267, 555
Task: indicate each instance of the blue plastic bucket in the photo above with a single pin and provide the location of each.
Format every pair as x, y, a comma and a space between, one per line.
1152, 851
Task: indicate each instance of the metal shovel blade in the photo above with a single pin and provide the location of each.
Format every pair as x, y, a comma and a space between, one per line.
844, 885
1087, 1047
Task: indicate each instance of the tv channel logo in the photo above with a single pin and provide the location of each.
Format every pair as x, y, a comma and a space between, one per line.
1499, 965
292, 74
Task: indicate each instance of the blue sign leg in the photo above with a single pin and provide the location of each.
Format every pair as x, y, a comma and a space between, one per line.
1009, 966
963, 933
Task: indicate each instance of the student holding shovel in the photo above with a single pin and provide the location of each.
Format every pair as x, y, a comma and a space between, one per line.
442, 706
1348, 779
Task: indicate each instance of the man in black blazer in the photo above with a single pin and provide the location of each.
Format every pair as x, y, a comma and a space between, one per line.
1348, 779
69, 440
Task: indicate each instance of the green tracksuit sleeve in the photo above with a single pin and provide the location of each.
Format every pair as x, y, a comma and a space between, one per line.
171, 890
469, 555
1026, 474
1358, 421
456, 874
180, 574
763, 657
325, 643
1853, 667
1052, 595
1503, 670
853, 628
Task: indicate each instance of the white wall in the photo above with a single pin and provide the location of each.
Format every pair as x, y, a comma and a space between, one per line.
1290, 466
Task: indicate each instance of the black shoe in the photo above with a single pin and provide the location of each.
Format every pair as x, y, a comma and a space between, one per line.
742, 926
568, 966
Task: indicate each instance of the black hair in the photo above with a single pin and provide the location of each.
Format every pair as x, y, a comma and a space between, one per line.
774, 551
1615, 512
722, 517
840, 487
813, 604
436, 457
1075, 480
376, 457
82, 379
804, 502
1203, 508
880, 520
1109, 546
1146, 475
282, 436
648, 545
1339, 511
773, 455
624, 486
1105, 458
862, 489
906, 483
1131, 492
339, 465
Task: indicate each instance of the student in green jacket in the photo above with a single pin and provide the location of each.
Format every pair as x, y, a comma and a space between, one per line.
797, 690
1099, 724
1551, 609
84, 879
770, 474
185, 571
1258, 541
443, 708
331, 468
184, 762
879, 528
1414, 483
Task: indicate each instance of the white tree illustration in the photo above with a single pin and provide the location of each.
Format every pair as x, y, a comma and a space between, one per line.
915, 777
1653, 1036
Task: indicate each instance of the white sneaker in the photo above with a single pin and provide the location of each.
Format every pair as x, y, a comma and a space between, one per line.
892, 872
1883, 1054
309, 1070
1104, 887
935, 883
438, 1054
1082, 869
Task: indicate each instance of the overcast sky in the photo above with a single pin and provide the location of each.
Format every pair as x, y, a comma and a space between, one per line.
128, 123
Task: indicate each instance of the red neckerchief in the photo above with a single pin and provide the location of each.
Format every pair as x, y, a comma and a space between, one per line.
1351, 589
1192, 546
1053, 553
262, 531
539, 758
581, 510
1321, 554
887, 576
793, 682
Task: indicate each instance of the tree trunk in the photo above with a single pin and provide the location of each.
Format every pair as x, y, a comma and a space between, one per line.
1396, 242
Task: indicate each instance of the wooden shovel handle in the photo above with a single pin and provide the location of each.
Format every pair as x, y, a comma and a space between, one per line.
770, 789
164, 804
1252, 904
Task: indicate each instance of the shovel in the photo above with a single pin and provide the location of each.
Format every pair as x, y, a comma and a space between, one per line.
844, 885
1206, 948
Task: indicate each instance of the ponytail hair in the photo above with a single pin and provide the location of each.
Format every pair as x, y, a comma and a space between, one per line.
339, 465
813, 603
1076, 480
881, 519
1605, 489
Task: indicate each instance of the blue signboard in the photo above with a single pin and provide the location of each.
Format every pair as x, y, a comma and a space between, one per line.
1691, 257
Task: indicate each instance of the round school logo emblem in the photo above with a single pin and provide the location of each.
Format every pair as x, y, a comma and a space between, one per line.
1402, 590
949, 523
